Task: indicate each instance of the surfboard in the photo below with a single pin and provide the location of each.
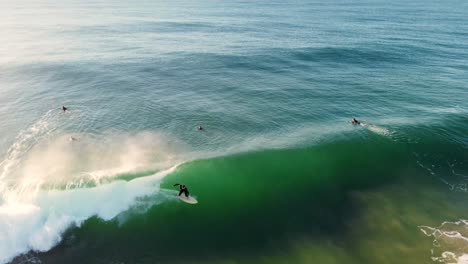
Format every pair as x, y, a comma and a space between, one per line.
189, 199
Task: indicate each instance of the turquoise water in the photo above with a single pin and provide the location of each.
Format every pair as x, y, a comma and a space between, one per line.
280, 174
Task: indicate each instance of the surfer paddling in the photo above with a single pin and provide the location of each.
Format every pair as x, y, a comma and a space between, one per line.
355, 122
183, 189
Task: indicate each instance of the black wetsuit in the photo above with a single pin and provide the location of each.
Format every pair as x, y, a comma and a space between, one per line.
184, 190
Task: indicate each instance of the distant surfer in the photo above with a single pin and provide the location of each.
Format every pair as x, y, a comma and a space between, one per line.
355, 122
200, 128
183, 189
64, 109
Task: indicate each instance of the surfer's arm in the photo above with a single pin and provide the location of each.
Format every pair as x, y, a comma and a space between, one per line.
176, 184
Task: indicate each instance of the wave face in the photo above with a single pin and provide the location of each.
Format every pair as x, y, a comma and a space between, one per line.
280, 173
368, 184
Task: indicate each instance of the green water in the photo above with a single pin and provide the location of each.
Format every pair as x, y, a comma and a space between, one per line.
355, 200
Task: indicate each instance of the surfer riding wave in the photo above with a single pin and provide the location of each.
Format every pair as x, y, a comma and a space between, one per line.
183, 189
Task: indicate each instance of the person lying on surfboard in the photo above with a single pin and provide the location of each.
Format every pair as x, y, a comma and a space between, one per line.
183, 189
355, 122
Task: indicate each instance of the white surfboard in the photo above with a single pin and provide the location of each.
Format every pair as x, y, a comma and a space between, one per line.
189, 199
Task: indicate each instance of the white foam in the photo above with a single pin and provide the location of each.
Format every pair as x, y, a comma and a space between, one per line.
463, 259
39, 225
377, 129
450, 241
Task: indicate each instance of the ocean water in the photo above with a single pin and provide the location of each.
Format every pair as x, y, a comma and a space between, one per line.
280, 174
